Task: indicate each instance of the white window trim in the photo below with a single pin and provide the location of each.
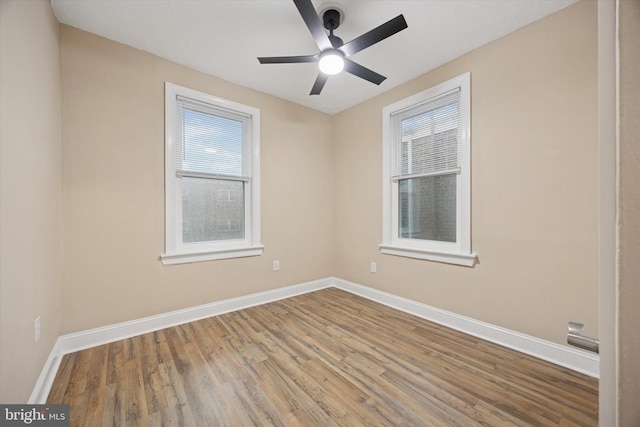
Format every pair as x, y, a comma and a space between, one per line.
458, 253
177, 252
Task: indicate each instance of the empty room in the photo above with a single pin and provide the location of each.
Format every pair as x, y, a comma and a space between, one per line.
320, 213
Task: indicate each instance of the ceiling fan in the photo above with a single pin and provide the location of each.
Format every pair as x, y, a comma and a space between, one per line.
334, 53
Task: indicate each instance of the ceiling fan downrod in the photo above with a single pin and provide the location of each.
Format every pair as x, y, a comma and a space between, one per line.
331, 21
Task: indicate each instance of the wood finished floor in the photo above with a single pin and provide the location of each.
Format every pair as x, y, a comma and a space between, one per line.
327, 358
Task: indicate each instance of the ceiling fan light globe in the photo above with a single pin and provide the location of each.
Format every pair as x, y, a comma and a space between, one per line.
331, 63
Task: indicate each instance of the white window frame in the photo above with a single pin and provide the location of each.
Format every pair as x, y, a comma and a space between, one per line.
458, 252
177, 251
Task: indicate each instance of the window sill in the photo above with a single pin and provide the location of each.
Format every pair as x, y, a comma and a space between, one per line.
467, 260
188, 257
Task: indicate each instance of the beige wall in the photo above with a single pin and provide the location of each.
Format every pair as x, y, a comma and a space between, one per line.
534, 184
629, 214
113, 189
534, 221
30, 164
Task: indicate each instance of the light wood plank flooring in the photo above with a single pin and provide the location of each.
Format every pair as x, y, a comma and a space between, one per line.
327, 358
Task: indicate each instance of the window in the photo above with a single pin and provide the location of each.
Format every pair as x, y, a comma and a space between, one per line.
426, 175
212, 177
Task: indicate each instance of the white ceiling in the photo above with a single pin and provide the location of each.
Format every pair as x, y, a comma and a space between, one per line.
224, 37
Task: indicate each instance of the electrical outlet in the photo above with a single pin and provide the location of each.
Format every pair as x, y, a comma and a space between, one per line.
36, 329
374, 268
276, 265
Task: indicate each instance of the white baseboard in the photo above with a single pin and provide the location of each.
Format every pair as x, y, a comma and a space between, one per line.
569, 357
94, 337
47, 375
577, 360
98, 336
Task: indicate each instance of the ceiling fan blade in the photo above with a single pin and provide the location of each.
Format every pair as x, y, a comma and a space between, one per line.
363, 72
311, 18
287, 59
319, 84
379, 33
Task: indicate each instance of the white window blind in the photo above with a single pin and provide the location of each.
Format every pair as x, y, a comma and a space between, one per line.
212, 177
426, 169
214, 142
427, 138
